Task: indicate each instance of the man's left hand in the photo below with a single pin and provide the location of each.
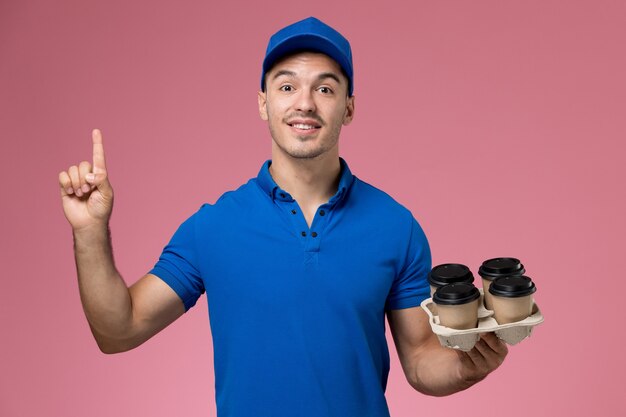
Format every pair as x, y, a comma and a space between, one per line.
487, 354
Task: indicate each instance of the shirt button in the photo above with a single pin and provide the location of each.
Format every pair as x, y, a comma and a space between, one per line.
304, 234
293, 212
314, 234
322, 212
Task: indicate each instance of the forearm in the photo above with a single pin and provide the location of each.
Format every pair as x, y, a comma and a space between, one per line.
443, 371
437, 373
435, 370
104, 294
120, 317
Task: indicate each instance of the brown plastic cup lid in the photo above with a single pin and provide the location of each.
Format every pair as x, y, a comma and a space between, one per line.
516, 286
455, 294
449, 274
500, 267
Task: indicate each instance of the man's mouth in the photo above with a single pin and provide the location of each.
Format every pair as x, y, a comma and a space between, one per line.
304, 123
303, 126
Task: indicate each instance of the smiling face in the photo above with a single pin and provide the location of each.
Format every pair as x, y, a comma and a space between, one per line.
306, 103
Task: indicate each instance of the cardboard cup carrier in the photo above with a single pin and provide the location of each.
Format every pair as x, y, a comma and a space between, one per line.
515, 316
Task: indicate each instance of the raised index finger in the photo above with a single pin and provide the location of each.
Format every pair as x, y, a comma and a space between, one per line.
99, 166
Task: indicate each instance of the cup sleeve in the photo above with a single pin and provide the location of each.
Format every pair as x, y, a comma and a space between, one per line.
410, 286
178, 264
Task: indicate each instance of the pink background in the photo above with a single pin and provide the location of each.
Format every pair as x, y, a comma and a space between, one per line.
500, 124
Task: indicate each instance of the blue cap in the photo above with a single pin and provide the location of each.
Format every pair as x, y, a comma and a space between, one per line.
310, 34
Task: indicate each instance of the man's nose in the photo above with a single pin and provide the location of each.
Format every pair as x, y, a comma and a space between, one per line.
305, 101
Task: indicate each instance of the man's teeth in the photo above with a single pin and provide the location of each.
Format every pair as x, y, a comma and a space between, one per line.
303, 126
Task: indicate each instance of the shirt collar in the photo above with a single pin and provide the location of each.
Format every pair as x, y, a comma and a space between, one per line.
271, 189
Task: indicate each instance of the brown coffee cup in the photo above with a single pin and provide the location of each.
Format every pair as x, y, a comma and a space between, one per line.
496, 268
457, 305
445, 274
512, 298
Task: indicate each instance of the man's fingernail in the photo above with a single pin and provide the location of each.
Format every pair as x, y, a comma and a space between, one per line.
69, 190
86, 188
90, 177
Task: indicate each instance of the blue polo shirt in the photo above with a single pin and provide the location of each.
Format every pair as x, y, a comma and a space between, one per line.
297, 314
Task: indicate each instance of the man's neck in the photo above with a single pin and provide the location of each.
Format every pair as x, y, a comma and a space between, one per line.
311, 182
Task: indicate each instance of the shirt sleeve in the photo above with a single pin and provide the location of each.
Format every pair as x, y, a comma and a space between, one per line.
410, 286
178, 264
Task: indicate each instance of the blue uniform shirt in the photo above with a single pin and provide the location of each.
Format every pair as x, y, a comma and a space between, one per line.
297, 314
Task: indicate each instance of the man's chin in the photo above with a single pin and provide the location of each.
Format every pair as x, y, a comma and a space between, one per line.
304, 156
305, 153
302, 150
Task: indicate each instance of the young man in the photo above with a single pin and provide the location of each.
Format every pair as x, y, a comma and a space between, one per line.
300, 264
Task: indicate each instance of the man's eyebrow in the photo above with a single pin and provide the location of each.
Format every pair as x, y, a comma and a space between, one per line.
329, 75
284, 72
320, 77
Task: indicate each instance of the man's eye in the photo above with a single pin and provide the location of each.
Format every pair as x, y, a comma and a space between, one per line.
286, 88
325, 90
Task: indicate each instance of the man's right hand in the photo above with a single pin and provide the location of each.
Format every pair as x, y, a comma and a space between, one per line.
85, 190
120, 318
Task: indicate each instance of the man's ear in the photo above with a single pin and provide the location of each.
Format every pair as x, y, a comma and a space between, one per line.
262, 97
349, 113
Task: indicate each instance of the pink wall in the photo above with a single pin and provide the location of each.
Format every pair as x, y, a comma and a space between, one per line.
500, 124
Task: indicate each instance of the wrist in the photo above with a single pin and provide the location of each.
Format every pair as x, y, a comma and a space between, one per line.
92, 229
91, 235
